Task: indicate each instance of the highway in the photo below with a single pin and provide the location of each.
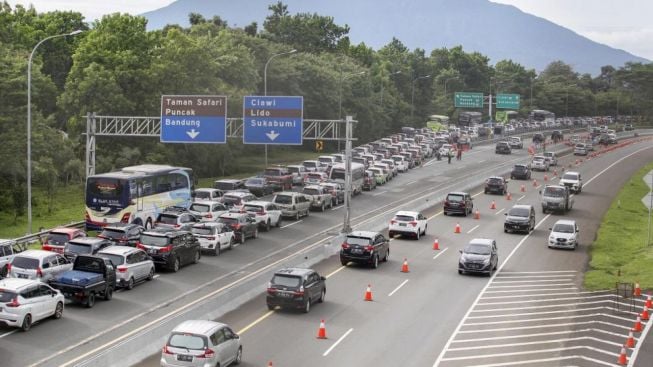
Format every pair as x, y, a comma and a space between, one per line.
417, 318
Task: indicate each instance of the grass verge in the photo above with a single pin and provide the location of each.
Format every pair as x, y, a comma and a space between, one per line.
621, 252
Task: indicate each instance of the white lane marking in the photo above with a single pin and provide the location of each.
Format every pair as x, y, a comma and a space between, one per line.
549, 319
538, 187
615, 163
483, 356
532, 290
554, 359
411, 182
472, 230
156, 276
520, 336
536, 276
481, 161
440, 253
255, 322
521, 197
566, 279
544, 295
502, 209
396, 289
429, 163
609, 296
334, 272
536, 343
538, 272
540, 306
379, 193
8, 333
591, 322
545, 312
337, 342
292, 224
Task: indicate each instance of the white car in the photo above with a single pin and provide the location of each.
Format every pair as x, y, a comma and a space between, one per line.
204, 194
298, 173
313, 166
214, 236
390, 163
407, 223
26, 301
265, 213
132, 265
564, 234
515, 142
573, 180
400, 163
38, 264
446, 149
207, 211
539, 163
552, 157
580, 149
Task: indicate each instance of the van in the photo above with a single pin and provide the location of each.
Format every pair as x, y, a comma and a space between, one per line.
580, 149
293, 204
38, 264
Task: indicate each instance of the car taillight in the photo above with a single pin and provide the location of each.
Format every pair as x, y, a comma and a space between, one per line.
177, 225
446, 202
236, 226
166, 249
272, 290
208, 353
369, 248
39, 272
393, 221
211, 238
8, 267
209, 215
165, 350
140, 246
47, 248
345, 245
122, 269
125, 218
13, 303
262, 212
299, 292
413, 223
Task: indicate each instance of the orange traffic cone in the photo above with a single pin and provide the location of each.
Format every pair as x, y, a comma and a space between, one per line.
477, 215
522, 188
493, 205
321, 332
534, 183
644, 315
555, 172
404, 266
638, 325
457, 229
638, 291
546, 178
508, 196
436, 244
368, 293
630, 341
623, 360
648, 303
577, 161
270, 364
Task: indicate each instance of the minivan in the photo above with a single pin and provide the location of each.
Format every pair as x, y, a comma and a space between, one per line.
293, 204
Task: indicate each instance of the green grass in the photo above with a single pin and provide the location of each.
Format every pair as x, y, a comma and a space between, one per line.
68, 203
620, 252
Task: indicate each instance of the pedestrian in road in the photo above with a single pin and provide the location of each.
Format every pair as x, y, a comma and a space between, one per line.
449, 155
459, 152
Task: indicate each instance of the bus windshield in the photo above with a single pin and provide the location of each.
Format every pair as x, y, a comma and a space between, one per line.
104, 191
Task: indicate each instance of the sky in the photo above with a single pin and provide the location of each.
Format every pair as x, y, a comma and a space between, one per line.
623, 24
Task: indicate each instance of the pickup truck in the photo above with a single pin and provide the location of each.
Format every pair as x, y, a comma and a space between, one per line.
91, 277
321, 198
556, 198
573, 181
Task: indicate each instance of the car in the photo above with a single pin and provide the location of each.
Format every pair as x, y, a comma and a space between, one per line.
551, 157
496, 184
38, 264
171, 249
502, 147
132, 265
612, 138
516, 142
57, 238
369, 181
400, 163
628, 127
236, 199
391, 165
573, 181
214, 236
8, 249
293, 204
365, 247
201, 343
520, 172
520, 218
175, 217
313, 166
538, 138
315, 178
539, 163
387, 170
564, 234
26, 301
207, 194
556, 136
479, 256
580, 149
125, 234
280, 178
320, 197
297, 288
85, 246
207, 211
265, 213
261, 186
446, 150
380, 175
407, 223
298, 173
229, 184
336, 190
243, 225
458, 202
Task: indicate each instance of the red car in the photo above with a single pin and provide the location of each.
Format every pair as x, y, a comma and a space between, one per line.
57, 239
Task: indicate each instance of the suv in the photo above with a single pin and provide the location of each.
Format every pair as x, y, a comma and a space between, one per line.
122, 233
237, 198
85, 246
538, 138
564, 234
293, 204
265, 213
262, 186
171, 249
496, 184
279, 177
175, 217
573, 181
242, 224
479, 256
552, 157
520, 218
458, 203
38, 264
515, 142
365, 247
580, 149
59, 237
202, 343
502, 147
132, 265
295, 288
207, 194
25, 301
207, 211
521, 172
540, 163
556, 136
298, 173
8, 249
408, 223
229, 184
214, 236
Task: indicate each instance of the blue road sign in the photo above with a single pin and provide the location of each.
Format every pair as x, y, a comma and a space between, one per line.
193, 119
273, 120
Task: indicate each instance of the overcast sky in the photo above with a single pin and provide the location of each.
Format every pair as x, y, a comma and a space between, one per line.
624, 24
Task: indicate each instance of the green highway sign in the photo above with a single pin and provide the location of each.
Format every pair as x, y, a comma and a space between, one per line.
468, 100
508, 101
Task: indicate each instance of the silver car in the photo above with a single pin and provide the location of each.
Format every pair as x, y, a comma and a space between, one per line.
38, 264
132, 265
202, 343
25, 301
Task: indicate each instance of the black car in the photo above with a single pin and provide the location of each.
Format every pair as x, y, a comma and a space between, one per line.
296, 288
122, 233
496, 184
84, 246
259, 186
242, 224
171, 249
520, 172
628, 127
520, 218
458, 203
502, 147
479, 256
538, 138
365, 247
556, 136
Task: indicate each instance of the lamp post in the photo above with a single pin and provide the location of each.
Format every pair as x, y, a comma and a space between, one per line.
29, 124
265, 86
412, 94
383, 84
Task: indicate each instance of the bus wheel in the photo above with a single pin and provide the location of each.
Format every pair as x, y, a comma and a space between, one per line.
148, 224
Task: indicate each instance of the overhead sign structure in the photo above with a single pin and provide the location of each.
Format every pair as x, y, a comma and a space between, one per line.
193, 119
273, 120
508, 101
468, 100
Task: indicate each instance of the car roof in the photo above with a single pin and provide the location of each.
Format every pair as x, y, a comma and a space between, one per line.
496, 177
457, 193
294, 271
365, 234
207, 224
207, 189
237, 193
197, 327
572, 172
482, 241
66, 230
15, 284
87, 240
522, 206
570, 222
407, 213
121, 225
258, 202
521, 165
35, 254
206, 202
118, 250
312, 187
229, 180
233, 215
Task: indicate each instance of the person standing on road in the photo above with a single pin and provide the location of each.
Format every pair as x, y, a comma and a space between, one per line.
459, 152
449, 155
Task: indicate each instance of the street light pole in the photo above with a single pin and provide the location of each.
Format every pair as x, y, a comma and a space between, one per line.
265, 86
412, 94
29, 125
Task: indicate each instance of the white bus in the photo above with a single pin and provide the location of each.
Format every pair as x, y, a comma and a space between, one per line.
357, 176
136, 194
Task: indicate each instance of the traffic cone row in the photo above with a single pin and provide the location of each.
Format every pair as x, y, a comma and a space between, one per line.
457, 228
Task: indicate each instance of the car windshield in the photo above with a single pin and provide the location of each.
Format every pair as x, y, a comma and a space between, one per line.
57, 239
454, 198
25, 262
310, 164
201, 208
570, 176
519, 212
115, 259
311, 191
202, 195
315, 176
167, 219
187, 341
283, 199
361, 241
272, 172
548, 154
286, 280
563, 228
231, 200
477, 249
79, 248
495, 180
255, 182
253, 208
293, 169
404, 218
158, 241
580, 146
203, 231
113, 234
224, 186
538, 159
520, 168
554, 192
229, 221
6, 296
325, 160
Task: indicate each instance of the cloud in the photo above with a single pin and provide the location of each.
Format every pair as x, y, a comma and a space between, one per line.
636, 41
94, 9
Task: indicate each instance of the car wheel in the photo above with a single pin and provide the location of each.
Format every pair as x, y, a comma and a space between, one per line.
387, 256
231, 243
239, 356
27, 323
278, 224
90, 300
270, 307
150, 275
297, 215
343, 262
424, 231
148, 224
375, 262
255, 235
322, 296
322, 207
242, 238
307, 306
417, 235
268, 225
505, 230
130, 284
543, 211
460, 271
391, 234
3, 272
176, 265
58, 311
216, 251
197, 257
485, 191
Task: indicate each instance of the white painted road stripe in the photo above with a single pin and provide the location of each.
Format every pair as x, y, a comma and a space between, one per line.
530, 290
537, 272
379, 193
541, 312
521, 197
8, 333
337, 207
610, 301
396, 289
483, 356
411, 182
592, 330
440, 253
491, 346
553, 294
337, 342
528, 285
530, 281
535, 276
292, 224
592, 322
548, 319
472, 230
554, 359
502, 209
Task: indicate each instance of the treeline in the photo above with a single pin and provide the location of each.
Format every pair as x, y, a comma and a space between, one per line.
117, 67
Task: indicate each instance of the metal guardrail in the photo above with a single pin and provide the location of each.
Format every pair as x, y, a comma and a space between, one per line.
24, 241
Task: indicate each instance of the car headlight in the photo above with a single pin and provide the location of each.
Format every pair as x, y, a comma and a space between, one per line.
486, 261
551, 239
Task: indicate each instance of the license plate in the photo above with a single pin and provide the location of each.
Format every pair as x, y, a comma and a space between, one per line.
402, 224
23, 276
184, 358
356, 251
151, 251
285, 295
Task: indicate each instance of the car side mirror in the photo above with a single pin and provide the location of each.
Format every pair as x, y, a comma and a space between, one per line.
505, 214
53, 293
550, 229
461, 251
323, 278
540, 192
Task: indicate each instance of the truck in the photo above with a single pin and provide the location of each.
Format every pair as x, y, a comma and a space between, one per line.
90, 278
556, 198
320, 197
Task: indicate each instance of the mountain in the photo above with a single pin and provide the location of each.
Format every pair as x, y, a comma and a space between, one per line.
496, 30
